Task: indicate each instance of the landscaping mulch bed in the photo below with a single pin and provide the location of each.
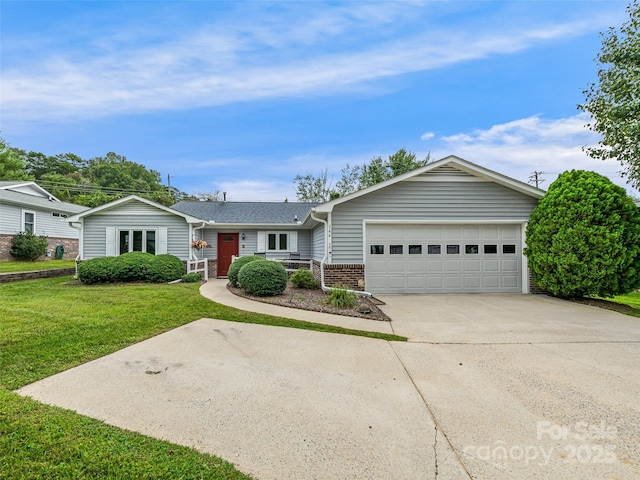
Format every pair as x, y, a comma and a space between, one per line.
315, 300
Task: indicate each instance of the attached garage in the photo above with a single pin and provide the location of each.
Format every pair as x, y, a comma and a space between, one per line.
443, 258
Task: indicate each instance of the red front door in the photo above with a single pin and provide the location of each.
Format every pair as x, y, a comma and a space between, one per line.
227, 247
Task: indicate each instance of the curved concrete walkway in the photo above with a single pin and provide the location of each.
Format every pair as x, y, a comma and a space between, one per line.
216, 290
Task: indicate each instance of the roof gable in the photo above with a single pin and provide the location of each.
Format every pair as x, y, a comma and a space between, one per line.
107, 207
27, 188
450, 168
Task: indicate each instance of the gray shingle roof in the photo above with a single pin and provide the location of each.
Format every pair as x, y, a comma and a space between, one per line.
18, 198
246, 212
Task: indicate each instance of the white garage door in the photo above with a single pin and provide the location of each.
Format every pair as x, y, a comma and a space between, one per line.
443, 258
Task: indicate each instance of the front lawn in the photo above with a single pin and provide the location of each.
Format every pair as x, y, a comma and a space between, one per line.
50, 325
15, 266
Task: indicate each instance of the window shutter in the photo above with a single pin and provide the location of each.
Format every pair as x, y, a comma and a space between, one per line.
293, 241
162, 241
262, 241
110, 242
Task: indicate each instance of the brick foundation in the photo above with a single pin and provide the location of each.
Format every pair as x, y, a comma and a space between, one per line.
533, 288
70, 247
349, 275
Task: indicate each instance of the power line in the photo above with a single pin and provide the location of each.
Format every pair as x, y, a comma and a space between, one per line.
535, 178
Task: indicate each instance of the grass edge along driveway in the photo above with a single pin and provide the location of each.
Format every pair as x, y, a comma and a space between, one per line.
50, 325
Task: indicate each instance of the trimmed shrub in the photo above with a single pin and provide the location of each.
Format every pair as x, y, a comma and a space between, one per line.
96, 270
235, 267
263, 279
340, 297
303, 278
193, 277
132, 267
27, 246
583, 238
165, 268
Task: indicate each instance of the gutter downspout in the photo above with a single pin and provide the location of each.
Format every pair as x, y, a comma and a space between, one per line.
326, 255
79, 228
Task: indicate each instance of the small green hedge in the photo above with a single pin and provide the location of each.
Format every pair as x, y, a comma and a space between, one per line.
193, 277
263, 279
235, 267
131, 267
303, 278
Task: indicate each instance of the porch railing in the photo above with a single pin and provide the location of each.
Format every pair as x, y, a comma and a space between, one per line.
198, 265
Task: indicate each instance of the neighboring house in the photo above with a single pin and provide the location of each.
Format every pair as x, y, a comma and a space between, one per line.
448, 227
25, 206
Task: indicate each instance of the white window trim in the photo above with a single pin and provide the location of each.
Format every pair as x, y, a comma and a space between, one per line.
292, 241
22, 226
278, 249
144, 237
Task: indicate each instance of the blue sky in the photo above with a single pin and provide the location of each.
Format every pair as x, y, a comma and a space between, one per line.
242, 96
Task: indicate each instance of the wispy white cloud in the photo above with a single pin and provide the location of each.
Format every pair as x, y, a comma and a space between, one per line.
216, 65
534, 144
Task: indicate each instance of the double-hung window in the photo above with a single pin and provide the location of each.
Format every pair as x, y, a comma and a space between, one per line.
28, 221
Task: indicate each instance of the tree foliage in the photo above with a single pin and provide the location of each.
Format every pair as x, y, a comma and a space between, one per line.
583, 238
12, 167
614, 102
91, 182
320, 188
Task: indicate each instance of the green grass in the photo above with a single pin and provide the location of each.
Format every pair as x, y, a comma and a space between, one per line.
50, 325
14, 266
631, 299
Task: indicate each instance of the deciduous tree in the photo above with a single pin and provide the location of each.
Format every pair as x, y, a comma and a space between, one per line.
614, 101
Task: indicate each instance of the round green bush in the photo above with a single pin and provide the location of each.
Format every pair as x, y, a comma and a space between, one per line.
96, 270
583, 238
235, 267
132, 267
165, 268
303, 278
263, 279
193, 277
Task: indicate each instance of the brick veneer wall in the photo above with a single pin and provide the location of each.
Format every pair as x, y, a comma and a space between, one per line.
70, 247
533, 288
350, 275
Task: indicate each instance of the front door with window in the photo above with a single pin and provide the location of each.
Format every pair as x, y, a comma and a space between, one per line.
227, 247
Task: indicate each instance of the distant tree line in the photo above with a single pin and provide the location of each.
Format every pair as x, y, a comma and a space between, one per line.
91, 182
320, 188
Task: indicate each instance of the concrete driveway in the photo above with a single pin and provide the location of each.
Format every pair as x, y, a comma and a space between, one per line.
489, 386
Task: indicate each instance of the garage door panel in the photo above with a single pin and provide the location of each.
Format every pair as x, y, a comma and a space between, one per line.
480, 266
453, 283
453, 265
509, 265
472, 266
491, 282
510, 281
396, 266
416, 282
435, 266
472, 282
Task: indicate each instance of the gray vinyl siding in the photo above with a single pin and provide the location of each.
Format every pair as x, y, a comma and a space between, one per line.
95, 230
423, 200
317, 248
249, 245
45, 223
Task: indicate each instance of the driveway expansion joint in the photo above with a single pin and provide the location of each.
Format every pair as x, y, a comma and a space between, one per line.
435, 420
